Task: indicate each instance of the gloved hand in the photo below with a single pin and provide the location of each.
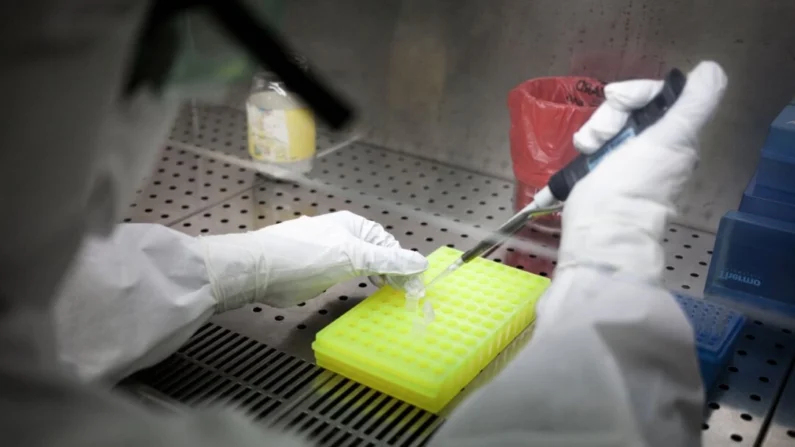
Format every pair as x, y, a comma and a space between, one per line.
284, 264
615, 217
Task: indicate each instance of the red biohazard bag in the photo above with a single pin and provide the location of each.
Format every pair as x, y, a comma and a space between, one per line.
545, 113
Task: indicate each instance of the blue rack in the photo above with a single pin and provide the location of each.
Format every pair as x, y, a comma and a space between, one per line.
716, 328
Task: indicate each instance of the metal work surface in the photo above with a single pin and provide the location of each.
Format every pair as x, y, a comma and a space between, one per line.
260, 358
782, 426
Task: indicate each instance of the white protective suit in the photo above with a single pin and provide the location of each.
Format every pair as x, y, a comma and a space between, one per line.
612, 360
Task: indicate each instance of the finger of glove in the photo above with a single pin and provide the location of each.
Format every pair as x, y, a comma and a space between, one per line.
411, 284
621, 98
370, 259
363, 229
680, 126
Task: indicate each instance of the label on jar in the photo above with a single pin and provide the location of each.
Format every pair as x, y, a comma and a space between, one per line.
278, 136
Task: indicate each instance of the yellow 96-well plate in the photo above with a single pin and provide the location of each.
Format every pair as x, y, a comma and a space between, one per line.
478, 310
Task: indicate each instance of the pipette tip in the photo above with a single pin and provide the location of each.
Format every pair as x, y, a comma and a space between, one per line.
446, 272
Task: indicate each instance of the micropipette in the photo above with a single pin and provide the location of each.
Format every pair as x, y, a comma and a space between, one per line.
563, 181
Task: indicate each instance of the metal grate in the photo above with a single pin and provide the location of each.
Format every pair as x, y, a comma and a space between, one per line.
218, 365
221, 366
344, 412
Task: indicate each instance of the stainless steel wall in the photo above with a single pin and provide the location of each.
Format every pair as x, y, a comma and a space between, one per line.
431, 77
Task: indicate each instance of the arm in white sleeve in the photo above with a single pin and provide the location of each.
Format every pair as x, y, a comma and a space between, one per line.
134, 298
130, 300
611, 363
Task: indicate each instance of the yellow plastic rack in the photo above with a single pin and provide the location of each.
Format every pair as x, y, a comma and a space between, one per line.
479, 309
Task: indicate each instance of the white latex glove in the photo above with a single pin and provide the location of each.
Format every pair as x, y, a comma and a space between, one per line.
294, 261
615, 217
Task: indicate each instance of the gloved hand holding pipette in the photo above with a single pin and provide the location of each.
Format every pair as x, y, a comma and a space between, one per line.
612, 359
615, 217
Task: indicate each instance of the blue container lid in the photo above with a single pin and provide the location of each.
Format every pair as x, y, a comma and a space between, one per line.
781, 136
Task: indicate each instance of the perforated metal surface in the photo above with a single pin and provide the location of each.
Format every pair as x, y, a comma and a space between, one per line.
368, 177
782, 426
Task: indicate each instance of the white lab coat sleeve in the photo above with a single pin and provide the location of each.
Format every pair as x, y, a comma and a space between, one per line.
611, 363
130, 300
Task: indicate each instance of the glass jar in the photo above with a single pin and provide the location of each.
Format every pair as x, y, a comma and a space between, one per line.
281, 129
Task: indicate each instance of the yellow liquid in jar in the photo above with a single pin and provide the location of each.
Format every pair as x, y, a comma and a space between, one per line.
280, 130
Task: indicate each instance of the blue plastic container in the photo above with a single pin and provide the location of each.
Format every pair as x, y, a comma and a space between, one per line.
776, 171
716, 329
752, 264
781, 136
776, 168
767, 202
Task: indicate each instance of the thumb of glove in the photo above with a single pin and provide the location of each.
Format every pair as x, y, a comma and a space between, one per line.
370, 259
